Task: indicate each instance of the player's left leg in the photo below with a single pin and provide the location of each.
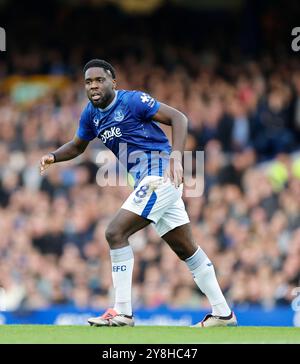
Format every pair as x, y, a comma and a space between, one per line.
182, 243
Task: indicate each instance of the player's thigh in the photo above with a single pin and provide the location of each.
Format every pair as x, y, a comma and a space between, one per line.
175, 215
181, 240
124, 224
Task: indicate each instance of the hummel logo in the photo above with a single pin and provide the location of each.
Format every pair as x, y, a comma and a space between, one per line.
96, 121
146, 98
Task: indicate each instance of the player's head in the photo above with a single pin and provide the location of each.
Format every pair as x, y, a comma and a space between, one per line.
100, 82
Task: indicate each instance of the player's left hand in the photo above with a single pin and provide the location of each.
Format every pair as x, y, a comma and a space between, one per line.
174, 172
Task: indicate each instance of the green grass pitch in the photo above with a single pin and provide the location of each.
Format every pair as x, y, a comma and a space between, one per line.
51, 334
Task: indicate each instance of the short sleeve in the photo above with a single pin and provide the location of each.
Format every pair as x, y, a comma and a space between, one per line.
143, 105
85, 130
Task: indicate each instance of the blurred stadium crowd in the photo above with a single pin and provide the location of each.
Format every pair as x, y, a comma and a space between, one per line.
52, 243
245, 115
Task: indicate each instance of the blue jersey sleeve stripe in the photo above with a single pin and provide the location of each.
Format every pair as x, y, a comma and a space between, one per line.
149, 205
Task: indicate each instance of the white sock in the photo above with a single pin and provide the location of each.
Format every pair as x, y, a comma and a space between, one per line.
122, 266
205, 278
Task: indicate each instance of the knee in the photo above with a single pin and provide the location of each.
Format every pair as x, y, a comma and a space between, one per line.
114, 237
184, 252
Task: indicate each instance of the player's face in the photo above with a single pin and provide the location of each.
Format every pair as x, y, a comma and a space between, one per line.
99, 86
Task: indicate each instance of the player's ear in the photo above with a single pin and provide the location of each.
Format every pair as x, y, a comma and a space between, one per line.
114, 84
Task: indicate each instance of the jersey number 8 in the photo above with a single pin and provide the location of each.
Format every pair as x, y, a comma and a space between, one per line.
141, 193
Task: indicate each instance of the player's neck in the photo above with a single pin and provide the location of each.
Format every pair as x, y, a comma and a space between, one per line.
109, 102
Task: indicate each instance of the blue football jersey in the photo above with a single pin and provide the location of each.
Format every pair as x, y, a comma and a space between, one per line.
126, 127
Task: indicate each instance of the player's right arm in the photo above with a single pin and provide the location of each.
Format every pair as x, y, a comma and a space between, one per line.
66, 152
76, 146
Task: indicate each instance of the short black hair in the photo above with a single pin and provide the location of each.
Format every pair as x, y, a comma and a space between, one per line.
101, 64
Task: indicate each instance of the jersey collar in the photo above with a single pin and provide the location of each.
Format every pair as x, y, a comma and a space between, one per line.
111, 104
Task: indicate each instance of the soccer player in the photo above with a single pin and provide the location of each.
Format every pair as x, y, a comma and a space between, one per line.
121, 117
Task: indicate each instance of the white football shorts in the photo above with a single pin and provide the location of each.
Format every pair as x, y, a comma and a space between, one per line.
159, 202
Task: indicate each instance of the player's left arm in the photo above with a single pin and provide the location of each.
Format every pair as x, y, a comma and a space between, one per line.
179, 123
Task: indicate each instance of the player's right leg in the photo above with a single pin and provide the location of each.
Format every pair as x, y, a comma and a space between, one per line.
146, 204
124, 224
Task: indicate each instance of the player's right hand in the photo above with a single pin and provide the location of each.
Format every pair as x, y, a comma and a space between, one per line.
46, 161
